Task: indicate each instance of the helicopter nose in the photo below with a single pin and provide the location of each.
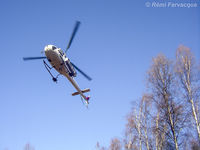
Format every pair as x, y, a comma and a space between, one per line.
46, 48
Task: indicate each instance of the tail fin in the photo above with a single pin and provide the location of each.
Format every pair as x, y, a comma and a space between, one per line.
87, 101
88, 98
83, 91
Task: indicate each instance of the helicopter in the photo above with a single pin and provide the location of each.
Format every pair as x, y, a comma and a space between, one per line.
61, 63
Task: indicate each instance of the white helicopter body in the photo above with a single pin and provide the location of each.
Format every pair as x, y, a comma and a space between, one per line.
55, 58
62, 64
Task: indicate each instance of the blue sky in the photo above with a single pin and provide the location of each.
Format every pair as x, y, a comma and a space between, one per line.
114, 45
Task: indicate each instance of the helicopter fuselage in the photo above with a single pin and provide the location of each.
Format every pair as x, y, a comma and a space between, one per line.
61, 63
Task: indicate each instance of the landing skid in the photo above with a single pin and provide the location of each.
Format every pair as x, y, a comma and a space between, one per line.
55, 79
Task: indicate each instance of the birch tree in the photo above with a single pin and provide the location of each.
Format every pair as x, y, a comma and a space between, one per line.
133, 130
138, 129
115, 144
189, 80
161, 82
159, 130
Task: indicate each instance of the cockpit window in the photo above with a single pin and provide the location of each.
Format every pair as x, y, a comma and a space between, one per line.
53, 47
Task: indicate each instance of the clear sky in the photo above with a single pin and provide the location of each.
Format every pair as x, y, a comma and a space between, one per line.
114, 45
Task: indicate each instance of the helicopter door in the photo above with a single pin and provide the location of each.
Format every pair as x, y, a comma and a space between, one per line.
70, 68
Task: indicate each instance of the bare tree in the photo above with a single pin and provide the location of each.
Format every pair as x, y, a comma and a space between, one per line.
147, 120
133, 137
115, 144
98, 147
161, 79
159, 134
28, 147
138, 129
188, 76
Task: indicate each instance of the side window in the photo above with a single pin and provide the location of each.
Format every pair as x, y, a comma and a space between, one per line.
61, 52
53, 47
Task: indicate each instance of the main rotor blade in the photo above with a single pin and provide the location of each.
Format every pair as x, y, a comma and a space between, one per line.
73, 34
85, 75
32, 58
